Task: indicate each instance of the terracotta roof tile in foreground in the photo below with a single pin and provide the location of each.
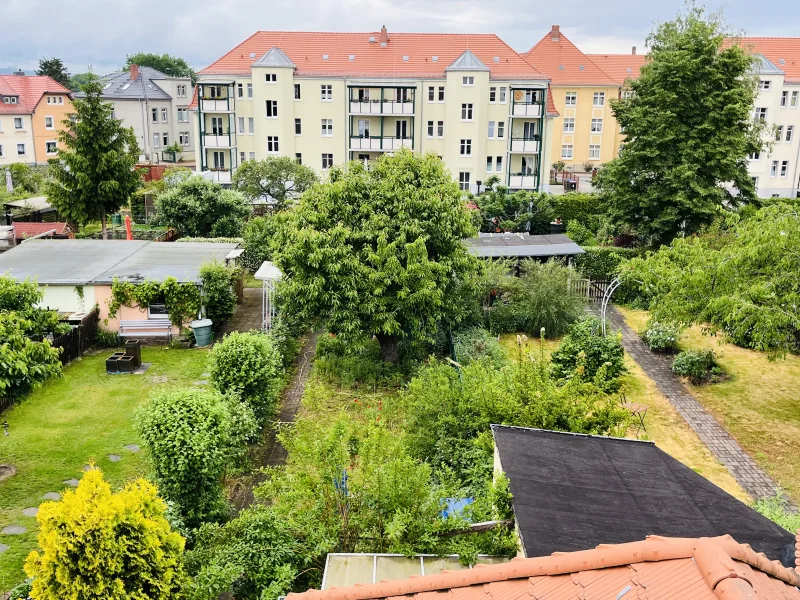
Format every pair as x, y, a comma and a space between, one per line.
658, 567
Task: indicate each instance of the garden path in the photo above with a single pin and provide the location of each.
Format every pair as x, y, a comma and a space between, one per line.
247, 316
740, 464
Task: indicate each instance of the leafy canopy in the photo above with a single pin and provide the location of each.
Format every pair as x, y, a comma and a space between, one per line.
94, 173
55, 69
688, 129
521, 211
378, 251
173, 66
279, 180
99, 545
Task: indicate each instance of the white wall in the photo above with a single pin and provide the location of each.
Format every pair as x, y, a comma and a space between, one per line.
64, 298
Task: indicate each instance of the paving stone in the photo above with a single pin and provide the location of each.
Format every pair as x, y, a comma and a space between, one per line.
205, 375
114, 457
52, 496
133, 447
201, 382
3, 548
13, 530
72, 482
87, 468
30, 512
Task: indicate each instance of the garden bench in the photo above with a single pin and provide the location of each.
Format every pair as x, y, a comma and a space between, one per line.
146, 328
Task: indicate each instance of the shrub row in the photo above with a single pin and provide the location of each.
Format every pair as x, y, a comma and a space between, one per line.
602, 262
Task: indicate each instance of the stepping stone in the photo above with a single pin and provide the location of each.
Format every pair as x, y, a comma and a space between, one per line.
87, 468
201, 382
114, 457
205, 374
133, 447
72, 482
3, 548
13, 530
55, 496
30, 512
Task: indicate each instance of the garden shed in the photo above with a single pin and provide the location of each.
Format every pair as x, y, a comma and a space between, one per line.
522, 245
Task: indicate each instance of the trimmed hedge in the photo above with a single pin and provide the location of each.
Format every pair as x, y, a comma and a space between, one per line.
576, 206
602, 262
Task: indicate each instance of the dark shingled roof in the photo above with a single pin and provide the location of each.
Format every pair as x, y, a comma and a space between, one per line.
573, 492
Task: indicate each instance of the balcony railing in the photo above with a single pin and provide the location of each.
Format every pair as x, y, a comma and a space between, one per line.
219, 140
522, 180
215, 105
378, 107
527, 109
220, 175
380, 144
525, 144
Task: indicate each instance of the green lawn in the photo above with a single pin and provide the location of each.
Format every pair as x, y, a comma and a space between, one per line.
759, 405
84, 416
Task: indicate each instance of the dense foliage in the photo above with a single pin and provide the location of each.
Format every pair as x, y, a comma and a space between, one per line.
698, 366
276, 180
661, 337
378, 250
219, 297
98, 545
602, 262
55, 69
181, 300
355, 362
172, 66
248, 366
197, 207
94, 173
259, 235
587, 351
519, 211
688, 128
475, 343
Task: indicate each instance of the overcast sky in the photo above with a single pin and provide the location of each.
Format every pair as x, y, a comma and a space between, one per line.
101, 33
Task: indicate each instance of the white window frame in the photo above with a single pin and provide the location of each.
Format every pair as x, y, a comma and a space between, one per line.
273, 144
154, 115
249, 91
251, 126
467, 111
492, 94
440, 96
24, 149
789, 133
599, 99
183, 115
251, 156
761, 113
431, 129
156, 140
297, 92
764, 84
431, 94
784, 169
567, 151
298, 125
468, 80
327, 127
270, 78
327, 157
755, 156
570, 98
569, 125
182, 90
784, 98
242, 157
489, 164
184, 139
464, 180
498, 164
440, 129
596, 125
465, 147
490, 133
271, 106
240, 90
779, 133
502, 96
326, 92
51, 142
241, 125
165, 139
501, 130
52, 122
795, 99
21, 121
164, 115
594, 151
1, 150
773, 172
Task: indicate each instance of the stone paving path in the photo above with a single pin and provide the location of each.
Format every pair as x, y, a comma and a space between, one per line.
740, 464
247, 316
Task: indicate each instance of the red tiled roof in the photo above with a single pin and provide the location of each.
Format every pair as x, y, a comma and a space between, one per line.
30, 89
561, 60
776, 50
193, 103
670, 568
26, 230
617, 66
306, 50
551, 105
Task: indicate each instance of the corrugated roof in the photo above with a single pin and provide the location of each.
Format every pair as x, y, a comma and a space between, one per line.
404, 55
519, 245
29, 89
619, 66
561, 60
658, 567
119, 85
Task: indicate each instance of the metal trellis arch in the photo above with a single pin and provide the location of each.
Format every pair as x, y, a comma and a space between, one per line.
615, 283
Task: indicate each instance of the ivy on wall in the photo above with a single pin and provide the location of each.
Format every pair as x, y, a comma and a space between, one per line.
182, 300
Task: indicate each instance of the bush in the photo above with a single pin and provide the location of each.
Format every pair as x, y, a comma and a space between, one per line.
249, 366
474, 343
577, 206
697, 365
219, 297
257, 240
105, 338
355, 362
602, 262
586, 347
21, 592
192, 437
661, 337
579, 233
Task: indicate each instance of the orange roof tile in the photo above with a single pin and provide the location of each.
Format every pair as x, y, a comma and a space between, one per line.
619, 66
658, 567
784, 53
405, 54
561, 60
30, 89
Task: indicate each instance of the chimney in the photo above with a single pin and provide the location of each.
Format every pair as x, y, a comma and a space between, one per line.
633, 51
134, 72
19, 72
384, 35
555, 33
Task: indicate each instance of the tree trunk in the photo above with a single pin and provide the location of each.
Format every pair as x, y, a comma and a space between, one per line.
389, 348
103, 225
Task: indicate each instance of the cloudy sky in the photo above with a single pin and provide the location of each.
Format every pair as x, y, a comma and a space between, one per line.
101, 33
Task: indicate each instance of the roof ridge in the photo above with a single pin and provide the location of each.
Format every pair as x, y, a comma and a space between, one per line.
713, 555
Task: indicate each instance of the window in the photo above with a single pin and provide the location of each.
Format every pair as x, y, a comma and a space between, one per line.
219, 159
599, 99
492, 95
251, 155
21, 151
761, 114
249, 90
440, 129
502, 98
499, 164
784, 98
154, 113
363, 128
271, 78
183, 115
51, 147
272, 109
489, 164
793, 102
628, 94
215, 91
165, 139
594, 151
773, 172
764, 84
570, 98
240, 92
272, 143
48, 123
157, 308
181, 90
501, 129
755, 156
327, 160
441, 93
164, 114
466, 112
216, 125
327, 92
242, 157
251, 125
566, 151
431, 93
466, 148
401, 129
298, 127
789, 132
430, 129
468, 80
463, 181
569, 125
779, 133
183, 138
241, 124
755, 182
1, 149
327, 127
298, 157
597, 125
156, 140
491, 129
784, 168
297, 91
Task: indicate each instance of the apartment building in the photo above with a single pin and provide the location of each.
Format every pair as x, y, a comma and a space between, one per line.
32, 109
328, 98
155, 105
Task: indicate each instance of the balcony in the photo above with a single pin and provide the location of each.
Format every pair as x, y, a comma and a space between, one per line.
378, 107
215, 105
527, 109
380, 144
219, 140
525, 145
522, 181
220, 175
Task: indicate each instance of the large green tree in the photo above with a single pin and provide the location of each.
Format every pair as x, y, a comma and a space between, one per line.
94, 173
688, 130
278, 180
501, 210
378, 250
55, 69
197, 207
78, 80
173, 66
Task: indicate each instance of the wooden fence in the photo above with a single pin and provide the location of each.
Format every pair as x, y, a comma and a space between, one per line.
79, 339
592, 289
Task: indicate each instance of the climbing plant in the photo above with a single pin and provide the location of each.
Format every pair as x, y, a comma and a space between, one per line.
182, 300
